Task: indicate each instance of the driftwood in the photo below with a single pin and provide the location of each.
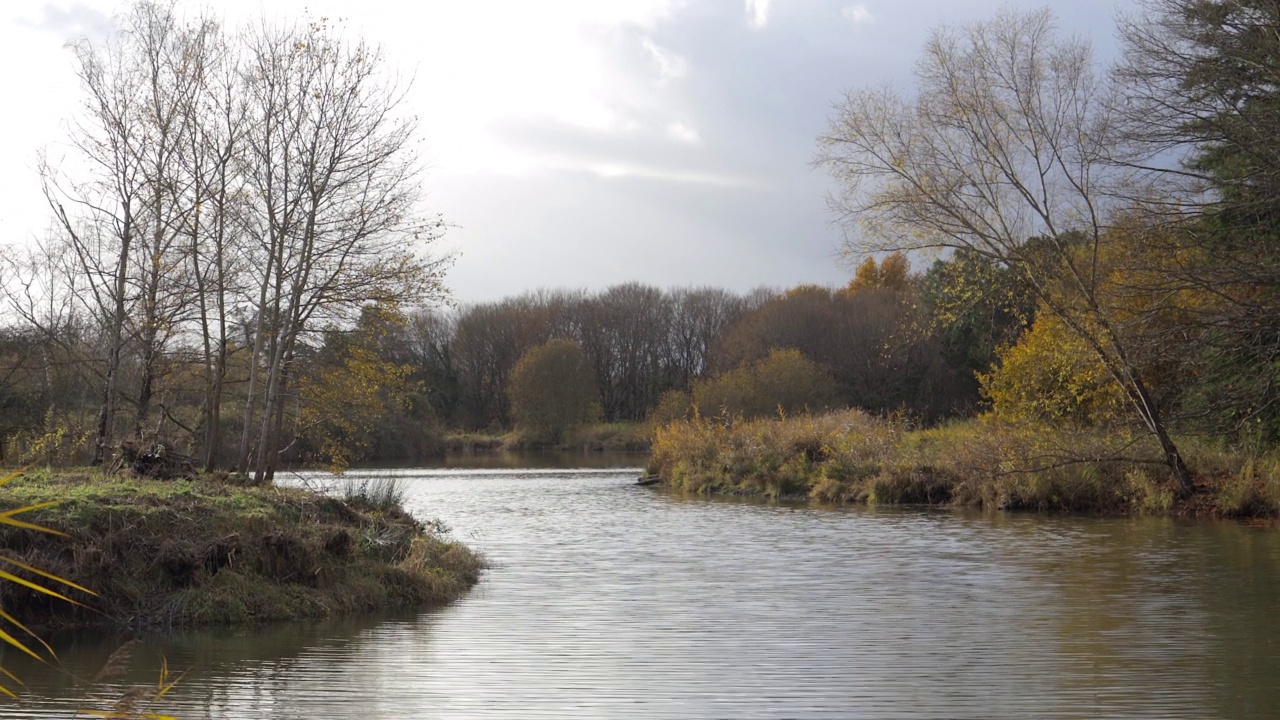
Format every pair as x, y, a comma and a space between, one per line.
649, 480
154, 460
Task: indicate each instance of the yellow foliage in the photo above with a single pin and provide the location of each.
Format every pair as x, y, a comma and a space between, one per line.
345, 401
892, 273
1051, 376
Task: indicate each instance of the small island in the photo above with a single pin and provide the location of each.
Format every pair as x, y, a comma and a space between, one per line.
213, 550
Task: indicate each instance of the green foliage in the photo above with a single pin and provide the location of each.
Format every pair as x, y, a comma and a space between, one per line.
783, 382
978, 307
553, 390
1200, 75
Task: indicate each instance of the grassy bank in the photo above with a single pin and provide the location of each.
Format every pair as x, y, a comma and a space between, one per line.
601, 437
211, 552
850, 457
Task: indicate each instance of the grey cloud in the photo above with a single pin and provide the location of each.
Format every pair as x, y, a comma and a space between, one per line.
570, 230
758, 98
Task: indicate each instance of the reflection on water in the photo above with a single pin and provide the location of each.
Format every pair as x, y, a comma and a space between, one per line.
611, 601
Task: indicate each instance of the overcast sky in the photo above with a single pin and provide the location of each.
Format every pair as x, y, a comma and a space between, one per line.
579, 143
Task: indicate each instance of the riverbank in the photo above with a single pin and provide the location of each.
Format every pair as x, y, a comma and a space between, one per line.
851, 457
601, 437
212, 552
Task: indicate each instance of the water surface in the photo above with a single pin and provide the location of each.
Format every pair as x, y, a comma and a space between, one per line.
611, 601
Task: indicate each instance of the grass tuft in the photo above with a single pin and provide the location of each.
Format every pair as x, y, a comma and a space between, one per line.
377, 493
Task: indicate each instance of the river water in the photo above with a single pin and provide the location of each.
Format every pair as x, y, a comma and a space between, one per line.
607, 600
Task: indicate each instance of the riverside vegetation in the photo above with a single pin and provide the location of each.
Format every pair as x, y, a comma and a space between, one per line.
214, 551
852, 457
1109, 276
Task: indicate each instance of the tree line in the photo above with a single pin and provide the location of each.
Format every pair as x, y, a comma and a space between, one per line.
237, 264
641, 342
387, 385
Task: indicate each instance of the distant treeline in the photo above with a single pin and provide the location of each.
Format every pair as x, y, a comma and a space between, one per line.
875, 340
387, 386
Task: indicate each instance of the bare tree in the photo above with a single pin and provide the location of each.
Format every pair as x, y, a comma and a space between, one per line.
699, 317
216, 123
122, 207
1009, 137
624, 332
336, 218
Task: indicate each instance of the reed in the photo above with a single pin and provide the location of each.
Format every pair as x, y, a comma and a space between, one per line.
851, 457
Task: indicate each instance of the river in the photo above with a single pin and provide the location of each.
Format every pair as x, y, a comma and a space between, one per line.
607, 600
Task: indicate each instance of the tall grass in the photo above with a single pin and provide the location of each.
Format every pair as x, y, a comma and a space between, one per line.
382, 493
849, 456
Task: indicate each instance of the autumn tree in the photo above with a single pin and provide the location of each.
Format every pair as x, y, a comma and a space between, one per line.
1008, 137
488, 340
1201, 83
336, 219
866, 340
891, 273
783, 381
356, 396
1050, 377
553, 390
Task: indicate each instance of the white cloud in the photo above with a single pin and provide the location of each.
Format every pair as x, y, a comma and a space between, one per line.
758, 13
611, 171
858, 14
671, 65
683, 133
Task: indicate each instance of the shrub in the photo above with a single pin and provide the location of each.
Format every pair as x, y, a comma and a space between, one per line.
784, 381
1050, 377
553, 390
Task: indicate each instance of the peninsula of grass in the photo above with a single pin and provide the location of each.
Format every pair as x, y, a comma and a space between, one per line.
849, 457
212, 552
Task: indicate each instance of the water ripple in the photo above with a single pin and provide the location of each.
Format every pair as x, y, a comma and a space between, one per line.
611, 601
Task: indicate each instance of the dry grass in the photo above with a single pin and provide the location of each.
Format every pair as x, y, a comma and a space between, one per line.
851, 457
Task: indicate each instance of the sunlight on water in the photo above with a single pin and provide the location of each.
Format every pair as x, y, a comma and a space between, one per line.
612, 601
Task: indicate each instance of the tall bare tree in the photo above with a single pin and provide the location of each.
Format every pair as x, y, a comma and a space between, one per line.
337, 217
121, 205
1009, 137
216, 123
